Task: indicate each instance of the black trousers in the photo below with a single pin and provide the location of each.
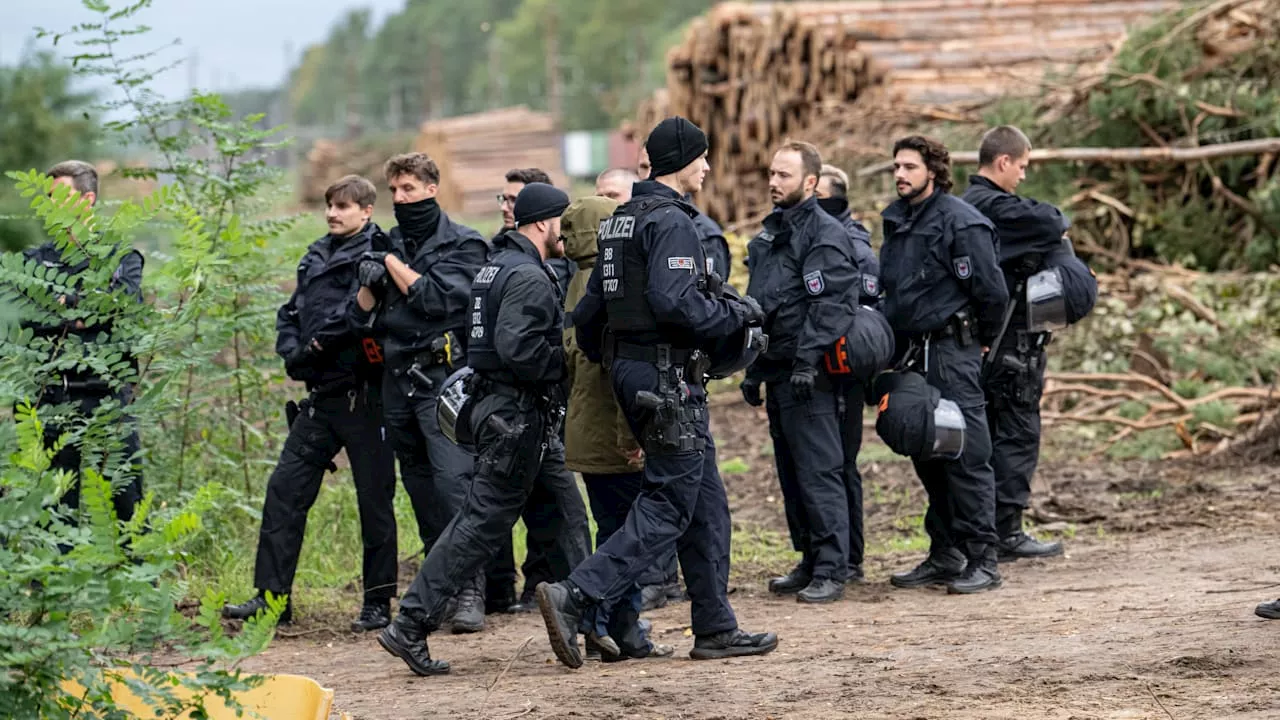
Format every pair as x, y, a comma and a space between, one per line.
507, 469
809, 455
961, 492
1013, 414
350, 420
436, 473
850, 399
682, 505
611, 497
540, 513
126, 489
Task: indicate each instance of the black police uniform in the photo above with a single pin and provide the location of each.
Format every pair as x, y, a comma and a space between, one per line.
805, 277
647, 286
343, 411
421, 329
1029, 232
516, 349
81, 388
945, 294
714, 246
851, 391
540, 514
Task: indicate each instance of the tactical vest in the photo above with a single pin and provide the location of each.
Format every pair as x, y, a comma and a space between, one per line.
624, 272
486, 299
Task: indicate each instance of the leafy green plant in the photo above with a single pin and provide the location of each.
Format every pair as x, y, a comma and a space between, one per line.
85, 600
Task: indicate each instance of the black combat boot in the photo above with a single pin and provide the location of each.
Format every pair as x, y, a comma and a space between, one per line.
469, 615
821, 590
406, 638
1268, 610
256, 604
793, 582
373, 616
499, 601
562, 605
979, 575
528, 602
1014, 543
939, 568
732, 643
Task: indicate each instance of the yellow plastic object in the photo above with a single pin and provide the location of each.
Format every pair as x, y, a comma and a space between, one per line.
279, 697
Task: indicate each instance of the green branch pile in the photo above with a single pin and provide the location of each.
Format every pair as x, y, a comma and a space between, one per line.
1204, 75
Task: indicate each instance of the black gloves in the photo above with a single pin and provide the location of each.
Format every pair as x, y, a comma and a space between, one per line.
298, 364
750, 310
372, 274
803, 378
751, 392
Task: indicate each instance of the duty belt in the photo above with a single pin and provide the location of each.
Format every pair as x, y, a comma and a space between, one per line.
648, 353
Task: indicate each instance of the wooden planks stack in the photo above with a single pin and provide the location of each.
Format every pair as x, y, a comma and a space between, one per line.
754, 74
474, 152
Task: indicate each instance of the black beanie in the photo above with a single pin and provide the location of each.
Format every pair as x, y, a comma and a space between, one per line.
672, 145
539, 201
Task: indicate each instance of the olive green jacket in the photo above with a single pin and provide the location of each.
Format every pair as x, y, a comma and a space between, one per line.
597, 438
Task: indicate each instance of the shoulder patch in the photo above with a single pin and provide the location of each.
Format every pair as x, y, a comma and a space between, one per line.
870, 285
962, 266
814, 283
681, 263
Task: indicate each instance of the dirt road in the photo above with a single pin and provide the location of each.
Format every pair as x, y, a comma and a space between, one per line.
1148, 616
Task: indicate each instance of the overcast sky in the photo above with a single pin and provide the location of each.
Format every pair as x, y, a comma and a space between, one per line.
237, 43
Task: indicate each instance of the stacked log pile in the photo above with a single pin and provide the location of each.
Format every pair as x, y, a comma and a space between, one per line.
753, 75
474, 152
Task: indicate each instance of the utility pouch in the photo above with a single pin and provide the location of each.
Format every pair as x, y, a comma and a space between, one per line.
963, 322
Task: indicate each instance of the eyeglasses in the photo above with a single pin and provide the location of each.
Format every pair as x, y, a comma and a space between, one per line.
506, 200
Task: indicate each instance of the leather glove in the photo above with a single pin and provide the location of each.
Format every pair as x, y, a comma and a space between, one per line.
377, 256
751, 392
372, 273
750, 310
803, 379
298, 364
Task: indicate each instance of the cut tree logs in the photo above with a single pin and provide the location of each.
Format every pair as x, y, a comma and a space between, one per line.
474, 152
756, 74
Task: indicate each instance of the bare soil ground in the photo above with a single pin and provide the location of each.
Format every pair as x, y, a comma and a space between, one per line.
1148, 616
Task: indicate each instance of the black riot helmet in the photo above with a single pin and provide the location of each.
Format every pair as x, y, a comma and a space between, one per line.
453, 408
737, 351
915, 420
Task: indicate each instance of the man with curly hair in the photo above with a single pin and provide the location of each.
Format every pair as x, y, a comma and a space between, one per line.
945, 294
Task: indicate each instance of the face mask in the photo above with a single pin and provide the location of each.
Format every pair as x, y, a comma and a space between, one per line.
417, 220
834, 205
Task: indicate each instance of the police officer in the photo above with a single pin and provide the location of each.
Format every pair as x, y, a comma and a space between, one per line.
517, 355
83, 390
805, 277
343, 375
833, 197
661, 583
945, 297
649, 287
413, 297
1030, 232
540, 511
615, 184
716, 248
